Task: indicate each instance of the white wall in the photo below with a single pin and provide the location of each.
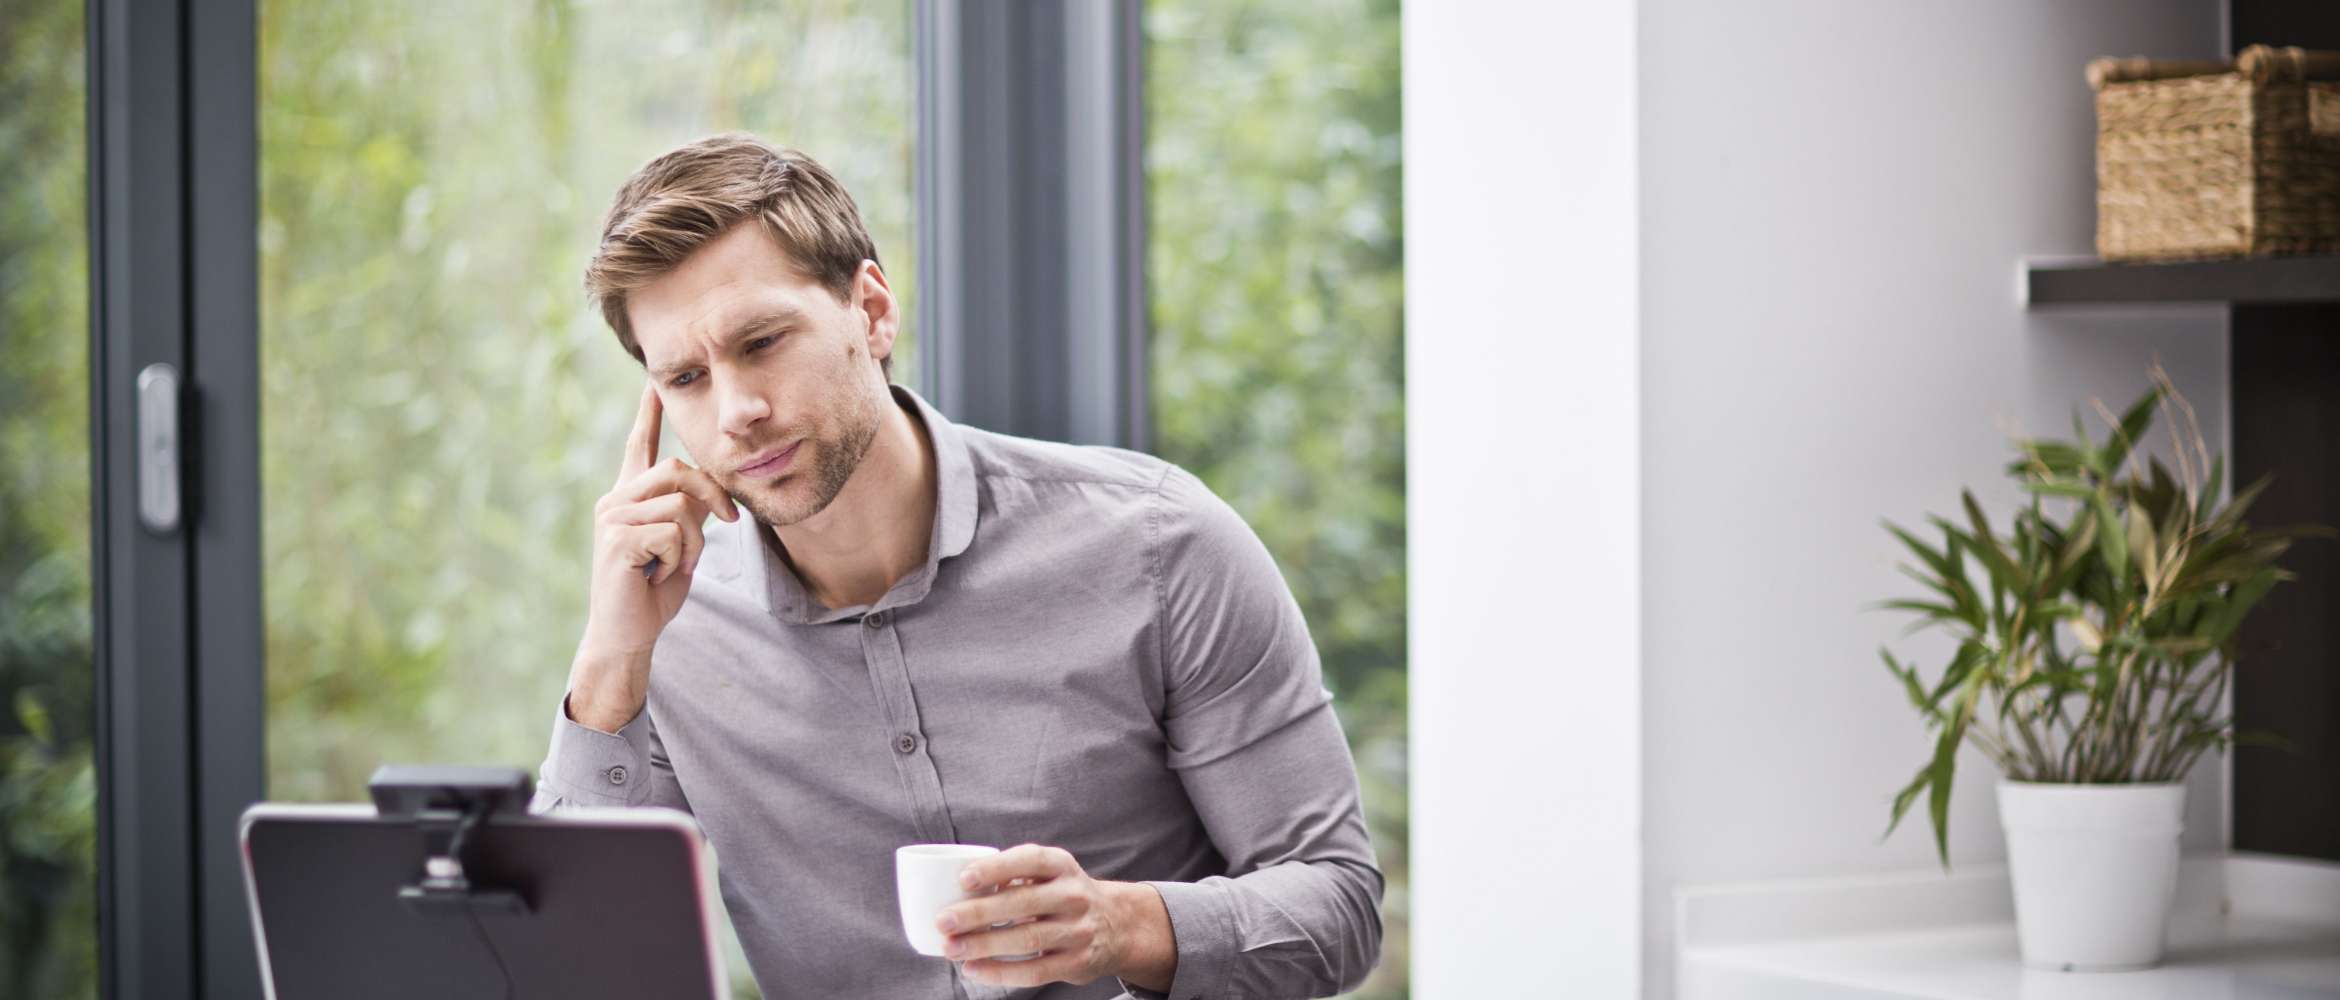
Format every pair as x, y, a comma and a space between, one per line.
1833, 197
1522, 452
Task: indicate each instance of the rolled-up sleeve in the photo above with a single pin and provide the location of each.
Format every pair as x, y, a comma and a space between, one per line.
588, 767
1254, 739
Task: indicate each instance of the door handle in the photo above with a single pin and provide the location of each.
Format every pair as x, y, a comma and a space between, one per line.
159, 479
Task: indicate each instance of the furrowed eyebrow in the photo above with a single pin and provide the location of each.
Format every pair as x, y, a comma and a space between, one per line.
763, 321
754, 324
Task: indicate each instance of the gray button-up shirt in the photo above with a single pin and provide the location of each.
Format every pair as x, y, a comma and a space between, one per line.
1098, 654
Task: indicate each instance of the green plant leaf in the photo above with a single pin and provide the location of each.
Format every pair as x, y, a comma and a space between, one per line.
2071, 562
1907, 795
2220, 624
2130, 431
1945, 765
2074, 491
2230, 516
1936, 561
2004, 572
1970, 653
1949, 568
2263, 738
2057, 457
2112, 542
1909, 684
2143, 545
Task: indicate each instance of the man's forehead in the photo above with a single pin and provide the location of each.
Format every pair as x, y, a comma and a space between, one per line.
738, 279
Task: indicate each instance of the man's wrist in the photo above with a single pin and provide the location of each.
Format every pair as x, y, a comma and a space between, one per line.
1150, 954
606, 691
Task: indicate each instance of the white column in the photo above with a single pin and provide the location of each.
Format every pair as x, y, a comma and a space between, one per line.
1523, 496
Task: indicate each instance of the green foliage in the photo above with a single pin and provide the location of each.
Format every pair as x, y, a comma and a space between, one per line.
1275, 274
48, 791
2099, 643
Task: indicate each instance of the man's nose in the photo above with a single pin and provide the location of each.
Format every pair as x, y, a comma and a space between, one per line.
739, 407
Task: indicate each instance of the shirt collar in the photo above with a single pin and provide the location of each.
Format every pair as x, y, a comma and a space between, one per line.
784, 595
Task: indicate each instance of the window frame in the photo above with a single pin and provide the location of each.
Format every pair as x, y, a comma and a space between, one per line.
173, 280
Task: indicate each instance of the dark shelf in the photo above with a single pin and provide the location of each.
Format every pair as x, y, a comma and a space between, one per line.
2254, 280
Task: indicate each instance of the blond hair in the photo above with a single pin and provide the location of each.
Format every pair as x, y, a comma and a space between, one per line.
685, 198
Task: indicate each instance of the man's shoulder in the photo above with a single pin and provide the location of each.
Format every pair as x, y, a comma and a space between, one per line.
1184, 506
1006, 456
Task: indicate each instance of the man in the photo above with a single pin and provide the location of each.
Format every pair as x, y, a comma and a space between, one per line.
898, 630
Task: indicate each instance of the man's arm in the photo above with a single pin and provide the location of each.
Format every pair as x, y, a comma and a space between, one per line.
647, 539
1254, 739
1252, 736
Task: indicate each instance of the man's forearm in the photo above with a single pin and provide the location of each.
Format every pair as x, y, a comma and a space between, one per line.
607, 690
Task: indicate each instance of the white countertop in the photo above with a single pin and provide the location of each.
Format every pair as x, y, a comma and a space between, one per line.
2243, 927
2235, 959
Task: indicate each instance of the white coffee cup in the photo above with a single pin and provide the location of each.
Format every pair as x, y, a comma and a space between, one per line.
926, 879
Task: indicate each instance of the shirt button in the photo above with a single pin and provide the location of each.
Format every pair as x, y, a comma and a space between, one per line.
617, 775
905, 743
874, 619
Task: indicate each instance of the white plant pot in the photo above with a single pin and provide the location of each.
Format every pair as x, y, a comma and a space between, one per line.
2094, 868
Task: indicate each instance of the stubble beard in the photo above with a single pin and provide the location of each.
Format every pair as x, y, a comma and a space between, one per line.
833, 461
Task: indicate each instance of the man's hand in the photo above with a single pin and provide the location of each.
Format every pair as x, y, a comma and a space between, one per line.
654, 513
1083, 928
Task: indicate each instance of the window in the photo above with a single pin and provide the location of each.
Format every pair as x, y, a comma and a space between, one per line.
440, 406
1274, 265
48, 787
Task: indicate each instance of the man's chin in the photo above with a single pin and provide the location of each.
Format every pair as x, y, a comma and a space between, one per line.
775, 505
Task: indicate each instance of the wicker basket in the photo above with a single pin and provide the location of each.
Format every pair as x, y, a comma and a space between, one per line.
2209, 159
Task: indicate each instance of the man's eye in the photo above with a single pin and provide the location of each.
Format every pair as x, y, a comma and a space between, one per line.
684, 379
761, 342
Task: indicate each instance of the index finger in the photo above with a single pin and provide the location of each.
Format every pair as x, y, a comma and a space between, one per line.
1031, 861
642, 442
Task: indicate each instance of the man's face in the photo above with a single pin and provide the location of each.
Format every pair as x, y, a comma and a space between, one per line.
767, 378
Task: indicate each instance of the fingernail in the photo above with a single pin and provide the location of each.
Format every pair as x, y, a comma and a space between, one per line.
947, 923
954, 950
967, 880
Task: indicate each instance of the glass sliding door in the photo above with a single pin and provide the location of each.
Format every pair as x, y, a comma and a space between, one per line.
1274, 267
440, 408
48, 786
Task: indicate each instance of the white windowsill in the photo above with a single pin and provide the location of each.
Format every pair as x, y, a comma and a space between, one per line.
2243, 927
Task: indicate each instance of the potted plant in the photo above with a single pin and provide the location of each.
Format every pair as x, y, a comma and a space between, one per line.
2094, 642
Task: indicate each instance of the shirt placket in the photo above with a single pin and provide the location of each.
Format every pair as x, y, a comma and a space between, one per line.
889, 678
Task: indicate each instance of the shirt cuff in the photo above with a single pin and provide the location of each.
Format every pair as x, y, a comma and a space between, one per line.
1202, 922
591, 767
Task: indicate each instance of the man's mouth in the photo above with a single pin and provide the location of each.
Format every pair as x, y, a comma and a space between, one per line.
770, 463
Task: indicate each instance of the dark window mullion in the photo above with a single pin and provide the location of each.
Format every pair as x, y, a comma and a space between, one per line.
224, 350
1030, 209
173, 176
140, 580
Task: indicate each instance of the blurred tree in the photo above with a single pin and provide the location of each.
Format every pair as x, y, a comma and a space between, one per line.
1275, 264
48, 789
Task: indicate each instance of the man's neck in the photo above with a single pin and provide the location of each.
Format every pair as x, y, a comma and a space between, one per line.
878, 528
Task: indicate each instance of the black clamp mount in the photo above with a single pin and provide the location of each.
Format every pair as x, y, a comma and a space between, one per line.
449, 804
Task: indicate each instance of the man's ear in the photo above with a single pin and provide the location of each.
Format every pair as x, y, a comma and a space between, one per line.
879, 307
